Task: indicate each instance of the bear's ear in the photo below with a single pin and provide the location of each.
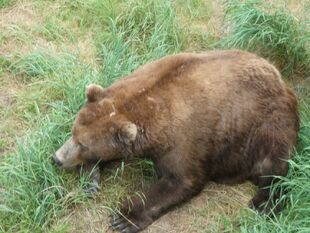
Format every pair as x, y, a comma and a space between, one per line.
128, 133
94, 92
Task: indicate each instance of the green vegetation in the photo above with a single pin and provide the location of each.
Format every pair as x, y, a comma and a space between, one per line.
275, 34
195, 9
35, 192
53, 30
35, 196
5, 3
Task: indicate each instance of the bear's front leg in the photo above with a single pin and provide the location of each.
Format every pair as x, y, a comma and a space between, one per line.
94, 173
167, 192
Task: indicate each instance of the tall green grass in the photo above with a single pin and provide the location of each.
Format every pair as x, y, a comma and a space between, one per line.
271, 31
40, 65
34, 193
6, 3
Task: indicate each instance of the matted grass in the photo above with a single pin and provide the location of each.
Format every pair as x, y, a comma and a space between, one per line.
6, 3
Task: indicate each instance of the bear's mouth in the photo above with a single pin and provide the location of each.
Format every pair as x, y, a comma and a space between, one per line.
56, 161
59, 164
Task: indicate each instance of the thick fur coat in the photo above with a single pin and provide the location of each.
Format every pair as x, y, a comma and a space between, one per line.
223, 116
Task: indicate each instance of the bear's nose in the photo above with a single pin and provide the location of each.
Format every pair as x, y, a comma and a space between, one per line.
56, 160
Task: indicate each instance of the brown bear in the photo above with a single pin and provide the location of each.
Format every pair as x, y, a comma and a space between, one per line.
223, 116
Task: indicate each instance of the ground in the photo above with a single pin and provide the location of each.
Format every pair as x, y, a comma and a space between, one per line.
28, 26
204, 213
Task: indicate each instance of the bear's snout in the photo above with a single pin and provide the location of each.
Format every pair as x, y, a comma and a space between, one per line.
56, 160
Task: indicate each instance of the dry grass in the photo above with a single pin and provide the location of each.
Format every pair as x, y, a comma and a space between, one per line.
203, 20
15, 24
21, 27
11, 125
27, 26
210, 211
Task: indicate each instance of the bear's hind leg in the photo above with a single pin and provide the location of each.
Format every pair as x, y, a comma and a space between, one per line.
270, 147
266, 201
263, 201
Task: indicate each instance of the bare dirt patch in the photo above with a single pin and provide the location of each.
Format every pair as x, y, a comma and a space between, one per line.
203, 213
92, 219
15, 25
11, 125
203, 23
12, 20
87, 50
22, 14
22, 28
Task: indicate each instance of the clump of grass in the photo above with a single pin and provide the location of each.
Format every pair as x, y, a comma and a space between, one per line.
126, 36
17, 33
197, 23
47, 74
90, 14
140, 34
34, 192
6, 3
42, 64
4, 64
195, 9
2, 144
276, 34
53, 30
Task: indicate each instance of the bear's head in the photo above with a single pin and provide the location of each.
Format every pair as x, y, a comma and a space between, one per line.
98, 133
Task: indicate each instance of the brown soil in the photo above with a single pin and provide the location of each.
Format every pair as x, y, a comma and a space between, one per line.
11, 125
203, 213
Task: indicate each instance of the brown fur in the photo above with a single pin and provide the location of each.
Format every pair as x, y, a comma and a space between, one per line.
224, 116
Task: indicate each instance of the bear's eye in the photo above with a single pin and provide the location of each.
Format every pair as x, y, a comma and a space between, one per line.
82, 145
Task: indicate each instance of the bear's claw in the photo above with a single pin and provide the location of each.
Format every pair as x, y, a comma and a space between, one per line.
122, 225
93, 189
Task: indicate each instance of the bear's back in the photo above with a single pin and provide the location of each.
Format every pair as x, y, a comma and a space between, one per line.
220, 92
218, 73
